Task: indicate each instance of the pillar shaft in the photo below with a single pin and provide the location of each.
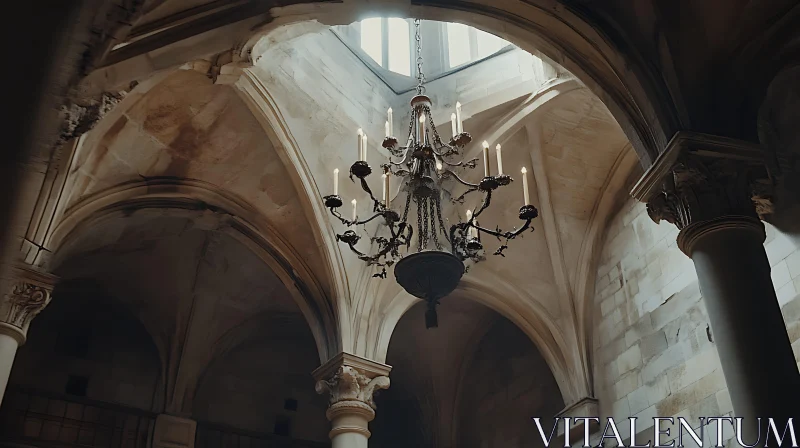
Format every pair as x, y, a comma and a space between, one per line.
8, 350
715, 190
754, 349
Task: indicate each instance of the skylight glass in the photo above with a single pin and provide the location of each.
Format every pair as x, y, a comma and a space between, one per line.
488, 44
372, 39
458, 44
387, 46
399, 46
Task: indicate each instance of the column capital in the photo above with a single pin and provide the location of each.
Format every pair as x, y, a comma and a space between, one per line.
350, 378
27, 293
701, 177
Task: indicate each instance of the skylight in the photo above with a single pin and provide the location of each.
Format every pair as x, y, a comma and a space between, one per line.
387, 46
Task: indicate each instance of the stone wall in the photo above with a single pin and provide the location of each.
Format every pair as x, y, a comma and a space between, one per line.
93, 341
654, 351
505, 384
265, 383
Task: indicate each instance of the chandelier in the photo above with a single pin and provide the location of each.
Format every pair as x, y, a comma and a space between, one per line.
431, 267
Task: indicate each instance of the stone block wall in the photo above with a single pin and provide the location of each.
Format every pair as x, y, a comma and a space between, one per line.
654, 351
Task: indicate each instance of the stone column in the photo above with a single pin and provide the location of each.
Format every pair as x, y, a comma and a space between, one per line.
351, 382
715, 190
27, 293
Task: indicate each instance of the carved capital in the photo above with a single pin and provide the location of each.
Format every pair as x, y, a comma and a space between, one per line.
27, 293
348, 384
350, 378
702, 178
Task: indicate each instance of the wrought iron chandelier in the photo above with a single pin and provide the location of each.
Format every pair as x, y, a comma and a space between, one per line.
424, 165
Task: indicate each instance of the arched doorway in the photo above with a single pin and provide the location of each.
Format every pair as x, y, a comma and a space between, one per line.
475, 381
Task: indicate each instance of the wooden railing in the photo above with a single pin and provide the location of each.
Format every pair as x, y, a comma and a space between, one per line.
47, 420
210, 435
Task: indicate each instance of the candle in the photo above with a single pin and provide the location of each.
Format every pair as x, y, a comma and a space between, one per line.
336, 181
453, 124
438, 166
499, 160
486, 158
422, 128
388, 132
460, 127
391, 123
364, 147
473, 232
386, 190
525, 186
360, 142
354, 202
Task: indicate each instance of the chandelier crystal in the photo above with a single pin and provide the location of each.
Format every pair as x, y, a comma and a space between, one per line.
431, 267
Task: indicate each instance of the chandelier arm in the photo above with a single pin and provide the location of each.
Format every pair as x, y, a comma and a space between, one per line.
460, 180
510, 235
486, 202
471, 163
437, 147
350, 223
405, 157
460, 199
365, 187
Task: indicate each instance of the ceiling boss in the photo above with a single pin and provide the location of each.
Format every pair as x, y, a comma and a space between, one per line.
422, 166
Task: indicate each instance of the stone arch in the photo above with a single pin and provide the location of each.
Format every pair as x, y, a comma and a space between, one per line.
521, 310
266, 110
636, 96
243, 223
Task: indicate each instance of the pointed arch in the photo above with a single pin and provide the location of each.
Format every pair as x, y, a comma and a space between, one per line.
244, 223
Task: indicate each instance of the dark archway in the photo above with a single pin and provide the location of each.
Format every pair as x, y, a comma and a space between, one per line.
475, 380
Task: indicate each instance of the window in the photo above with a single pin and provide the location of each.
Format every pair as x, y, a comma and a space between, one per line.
283, 426
488, 44
290, 404
466, 44
77, 385
399, 47
371, 39
458, 44
388, 43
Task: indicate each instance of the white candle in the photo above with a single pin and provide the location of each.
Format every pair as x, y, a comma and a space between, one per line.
386, 190
525, 186
460, 127
391, 124
453, 124
360, 142
486, 158
473, 232
438, 166
364, 147
386, 127
383, 178
354, 202
336, 181
422, 129
499, 160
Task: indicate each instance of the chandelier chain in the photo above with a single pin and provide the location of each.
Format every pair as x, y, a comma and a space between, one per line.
441, 221
420, 75
425, 222
434, 229
419, 227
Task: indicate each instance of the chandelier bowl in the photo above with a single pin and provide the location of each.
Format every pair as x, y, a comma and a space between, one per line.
429, 275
